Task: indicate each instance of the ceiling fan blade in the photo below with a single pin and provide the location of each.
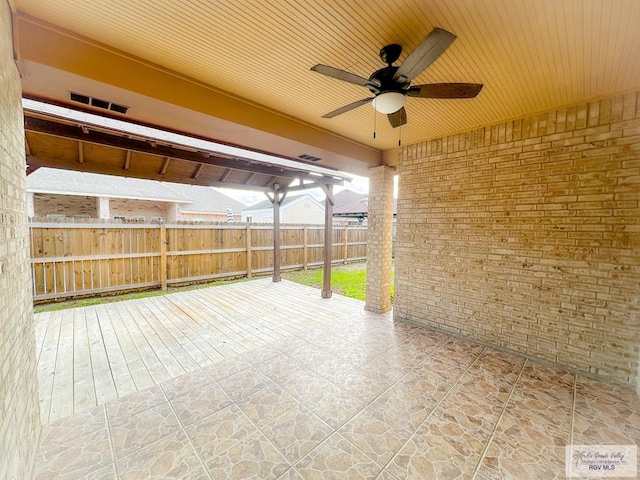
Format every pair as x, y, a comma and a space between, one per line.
397, 119
340, 74
425, 54
445, 90
346, 108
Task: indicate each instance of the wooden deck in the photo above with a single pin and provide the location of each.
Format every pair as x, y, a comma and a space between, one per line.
88, 356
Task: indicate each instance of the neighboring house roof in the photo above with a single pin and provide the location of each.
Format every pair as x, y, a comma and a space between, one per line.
351, 204
192, 198
347, 197
288, 200
67, 182
205, 199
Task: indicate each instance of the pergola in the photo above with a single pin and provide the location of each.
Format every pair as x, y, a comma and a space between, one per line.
58, 137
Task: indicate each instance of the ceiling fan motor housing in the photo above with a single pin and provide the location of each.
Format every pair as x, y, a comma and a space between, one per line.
382, 81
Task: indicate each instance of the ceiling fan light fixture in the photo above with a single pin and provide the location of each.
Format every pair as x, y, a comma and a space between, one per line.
388, 102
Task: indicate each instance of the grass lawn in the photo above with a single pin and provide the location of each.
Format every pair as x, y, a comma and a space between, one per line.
348, 280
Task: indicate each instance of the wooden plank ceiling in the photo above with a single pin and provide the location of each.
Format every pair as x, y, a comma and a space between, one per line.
530, 55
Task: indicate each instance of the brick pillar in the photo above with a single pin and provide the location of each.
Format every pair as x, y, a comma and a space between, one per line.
379, 239
102, 204
31, 209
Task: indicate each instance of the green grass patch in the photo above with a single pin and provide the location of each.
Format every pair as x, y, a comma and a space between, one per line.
348, 280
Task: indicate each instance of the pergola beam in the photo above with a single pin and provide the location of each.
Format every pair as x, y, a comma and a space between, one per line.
152, 147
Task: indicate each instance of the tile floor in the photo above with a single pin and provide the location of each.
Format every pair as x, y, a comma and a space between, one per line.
361, 397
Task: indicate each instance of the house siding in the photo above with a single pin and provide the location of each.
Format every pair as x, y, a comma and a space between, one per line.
304, 211
19, 414
526, 235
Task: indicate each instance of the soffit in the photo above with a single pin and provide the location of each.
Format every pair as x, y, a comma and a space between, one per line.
531, 56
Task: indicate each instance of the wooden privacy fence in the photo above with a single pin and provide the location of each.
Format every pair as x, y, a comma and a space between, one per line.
75, 259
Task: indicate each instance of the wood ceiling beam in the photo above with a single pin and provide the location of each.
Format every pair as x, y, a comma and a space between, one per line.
127, 160
54, 161
225, 175
249, 178
48, 127
198, 170
80, 152
165, 166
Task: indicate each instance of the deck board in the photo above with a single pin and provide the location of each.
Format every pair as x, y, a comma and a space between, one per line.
91, 355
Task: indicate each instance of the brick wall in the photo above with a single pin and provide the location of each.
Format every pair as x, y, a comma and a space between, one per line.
70, 205
526, 235
46, 204
139, 208
19, 417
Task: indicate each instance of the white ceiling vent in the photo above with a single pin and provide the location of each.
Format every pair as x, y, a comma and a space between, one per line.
96, 102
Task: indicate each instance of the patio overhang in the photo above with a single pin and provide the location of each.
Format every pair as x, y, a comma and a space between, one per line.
59, 137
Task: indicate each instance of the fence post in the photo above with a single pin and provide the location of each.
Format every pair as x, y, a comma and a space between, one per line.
305, 247
248, 250
163, 256
346, 244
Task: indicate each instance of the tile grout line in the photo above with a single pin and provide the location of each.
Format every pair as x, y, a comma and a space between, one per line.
573, 408
495, 427
113, 451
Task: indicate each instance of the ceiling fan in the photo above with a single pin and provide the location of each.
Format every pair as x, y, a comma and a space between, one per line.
391, 85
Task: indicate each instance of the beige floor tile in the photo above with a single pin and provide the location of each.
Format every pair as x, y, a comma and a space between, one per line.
297, 432
199, 473
404, 405
220, 431
75, 457
291, 474
244, 383
463, 440
280, 367
199, 402
335, 406
534, 423
252, 457
68, 429
335, 367
132, 433
170, 457
135, 403
267, 405
507, 458
337, 458
227, 367
419, 460
376, 434
190, 381
304, 384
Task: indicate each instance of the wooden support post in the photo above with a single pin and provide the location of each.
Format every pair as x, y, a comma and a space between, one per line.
249, 254
305, 247
328, 245
276, 233
163, 256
